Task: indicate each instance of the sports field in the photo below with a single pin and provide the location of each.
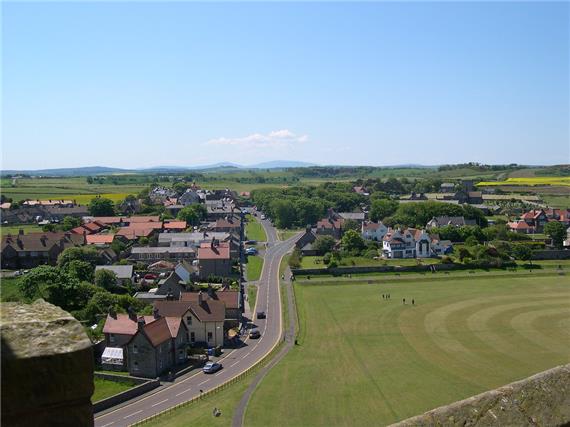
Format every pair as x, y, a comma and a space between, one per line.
363, 360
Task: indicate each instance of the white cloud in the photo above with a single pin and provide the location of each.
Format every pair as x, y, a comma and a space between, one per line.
276, 138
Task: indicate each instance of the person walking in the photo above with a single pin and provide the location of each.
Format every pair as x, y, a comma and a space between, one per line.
404, 301
413, 302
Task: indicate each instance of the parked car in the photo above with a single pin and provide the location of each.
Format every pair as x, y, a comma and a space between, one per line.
150, 276
254, 333
261, 315
263, 216
211, 367
251, 251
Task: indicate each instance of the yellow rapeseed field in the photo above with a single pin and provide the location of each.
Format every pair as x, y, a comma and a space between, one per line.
532, 181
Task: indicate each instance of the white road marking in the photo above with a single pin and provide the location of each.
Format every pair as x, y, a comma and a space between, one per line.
219, 373
203, 382
234, 364
134, 413
108, 424
182, 392
159, 403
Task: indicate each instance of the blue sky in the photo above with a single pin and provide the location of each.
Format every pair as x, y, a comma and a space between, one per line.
145, 84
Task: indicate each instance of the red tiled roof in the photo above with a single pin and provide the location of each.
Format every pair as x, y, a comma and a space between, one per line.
174, 324
219, 251
326, 223
157, 331
108, 219
371, 226
175, 225
93, 239
123, 324
229, 298
139, 219
224, 223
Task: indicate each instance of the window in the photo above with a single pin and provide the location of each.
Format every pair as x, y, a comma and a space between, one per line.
135, 366
111, 338
192, 337
189, 320
180, 354
209, 336
135, 349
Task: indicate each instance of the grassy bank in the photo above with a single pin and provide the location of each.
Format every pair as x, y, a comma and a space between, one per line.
106, 388
254, 267
254, 230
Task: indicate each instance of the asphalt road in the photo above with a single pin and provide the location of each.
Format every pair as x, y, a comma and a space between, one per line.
268, 300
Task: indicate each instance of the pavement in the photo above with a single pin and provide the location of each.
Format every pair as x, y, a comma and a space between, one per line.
234, 363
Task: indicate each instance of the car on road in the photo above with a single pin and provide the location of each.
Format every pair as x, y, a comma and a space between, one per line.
261, 315
211, 367
251, 251
254, 333
263, 216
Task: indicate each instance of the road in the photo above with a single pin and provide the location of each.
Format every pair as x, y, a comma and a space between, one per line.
268, 300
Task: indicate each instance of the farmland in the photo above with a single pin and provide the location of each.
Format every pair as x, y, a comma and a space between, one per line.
529, 181
363, 360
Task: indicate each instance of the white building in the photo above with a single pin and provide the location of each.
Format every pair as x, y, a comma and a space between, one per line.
413, 243
373, 231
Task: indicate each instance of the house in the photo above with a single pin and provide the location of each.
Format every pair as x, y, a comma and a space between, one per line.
152, 254
353, 216
136, 230
228, 224
129, 206
560, 215
100, 239
92, 227
361, 190
536, 218
123, 272
61, 203
474, 197
157, 346
57, 213
331, 225
33, 249
413, 243
305, 242
442, 221
160, 194
373, 231
228, 297
521, 227
114, 221
219, 209
214, 259
173, 285
203, 318
190, 197
447, 187
120, 328
191, 239
174, 226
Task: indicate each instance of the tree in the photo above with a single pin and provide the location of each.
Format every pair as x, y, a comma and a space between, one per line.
382, 208
192, 214
70, 222
101, 206
522, 252
295, 259
81, 253
80, 270
284, 212
351, 224
50, 283
105, 279
324, 244
471, 241
352, 241
556, 231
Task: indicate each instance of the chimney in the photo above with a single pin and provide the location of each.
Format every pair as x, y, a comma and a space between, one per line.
200, 298
112, 312
140, 323
155, 313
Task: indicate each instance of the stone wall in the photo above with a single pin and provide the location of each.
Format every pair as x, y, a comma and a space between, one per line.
551, 254
47, 367
144, 387
540, 400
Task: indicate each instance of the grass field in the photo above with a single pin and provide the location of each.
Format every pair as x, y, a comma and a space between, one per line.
529, 181
559, 202
254, 266
254, 230
106, 388
251, 296
363, 360
287, 234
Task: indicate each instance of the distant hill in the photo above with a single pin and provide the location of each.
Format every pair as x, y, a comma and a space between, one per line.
280, 164
87, 170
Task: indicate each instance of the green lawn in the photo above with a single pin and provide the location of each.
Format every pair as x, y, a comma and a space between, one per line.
363, 360
106, 388
9, 290
254, 266
15, 229
561, 202
251, 296
254, 230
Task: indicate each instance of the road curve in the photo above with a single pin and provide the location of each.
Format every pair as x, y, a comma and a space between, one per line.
184, 389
